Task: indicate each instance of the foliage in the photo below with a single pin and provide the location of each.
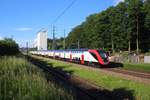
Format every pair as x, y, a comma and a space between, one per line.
20, 80
58, 43
123, 27
8, 47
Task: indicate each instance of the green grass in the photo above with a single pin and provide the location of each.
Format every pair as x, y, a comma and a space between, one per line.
20, 80
137, 67
139, 91
134, 66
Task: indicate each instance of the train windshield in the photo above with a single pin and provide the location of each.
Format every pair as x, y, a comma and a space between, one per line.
102, 54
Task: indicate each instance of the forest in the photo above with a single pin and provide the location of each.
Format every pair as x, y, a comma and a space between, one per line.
124, 27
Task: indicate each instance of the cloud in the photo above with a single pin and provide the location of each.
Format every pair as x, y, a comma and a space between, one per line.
23, 29
117, 1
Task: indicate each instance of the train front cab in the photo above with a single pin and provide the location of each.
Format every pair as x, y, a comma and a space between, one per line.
100, 56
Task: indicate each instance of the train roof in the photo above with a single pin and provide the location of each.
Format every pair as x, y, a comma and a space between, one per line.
66, 50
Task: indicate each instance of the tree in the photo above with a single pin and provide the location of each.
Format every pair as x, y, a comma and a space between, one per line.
49, 44
147, 10
146, 33
59, 43
8, 47
90, 31
123, 27
135, 16
102, 28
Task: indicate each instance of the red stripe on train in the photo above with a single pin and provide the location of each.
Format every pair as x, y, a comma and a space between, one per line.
100, 60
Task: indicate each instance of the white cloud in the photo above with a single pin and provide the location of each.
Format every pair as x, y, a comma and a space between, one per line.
23, 29
117, 1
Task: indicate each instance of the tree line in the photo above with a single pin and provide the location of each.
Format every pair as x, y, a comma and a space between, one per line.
59, 43
125, 26
8, 47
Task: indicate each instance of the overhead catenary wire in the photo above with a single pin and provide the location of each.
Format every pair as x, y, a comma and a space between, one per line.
64, 11
56, 19
61, 14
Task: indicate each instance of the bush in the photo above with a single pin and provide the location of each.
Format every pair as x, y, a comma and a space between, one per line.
20, 80
8, 47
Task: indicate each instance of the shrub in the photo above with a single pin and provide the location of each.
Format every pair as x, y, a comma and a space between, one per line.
8, 47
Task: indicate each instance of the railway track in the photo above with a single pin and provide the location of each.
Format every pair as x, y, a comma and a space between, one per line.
137, 74
84, 90
118, 70
132, 73
126, 74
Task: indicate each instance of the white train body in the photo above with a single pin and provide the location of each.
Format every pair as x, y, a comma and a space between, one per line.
92, 56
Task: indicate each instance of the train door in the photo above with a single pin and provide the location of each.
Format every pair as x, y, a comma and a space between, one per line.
82, 59
70, 57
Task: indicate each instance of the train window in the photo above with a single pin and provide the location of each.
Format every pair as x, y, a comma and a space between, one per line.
94, 55
102, 53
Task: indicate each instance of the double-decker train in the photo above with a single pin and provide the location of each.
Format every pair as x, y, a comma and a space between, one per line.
83, 56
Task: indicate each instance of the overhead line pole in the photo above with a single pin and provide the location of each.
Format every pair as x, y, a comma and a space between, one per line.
64, 38
27, 48
57, 18
53, 38
78, 44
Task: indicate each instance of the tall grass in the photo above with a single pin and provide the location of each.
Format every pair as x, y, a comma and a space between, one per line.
20, 80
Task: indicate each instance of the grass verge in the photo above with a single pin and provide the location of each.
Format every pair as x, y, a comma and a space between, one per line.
137, 67
20, 80
135, 90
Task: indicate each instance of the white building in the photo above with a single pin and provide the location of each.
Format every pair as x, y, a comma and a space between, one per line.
42, 40
35, 43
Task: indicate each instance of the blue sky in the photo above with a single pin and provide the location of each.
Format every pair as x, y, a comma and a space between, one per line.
22, 19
